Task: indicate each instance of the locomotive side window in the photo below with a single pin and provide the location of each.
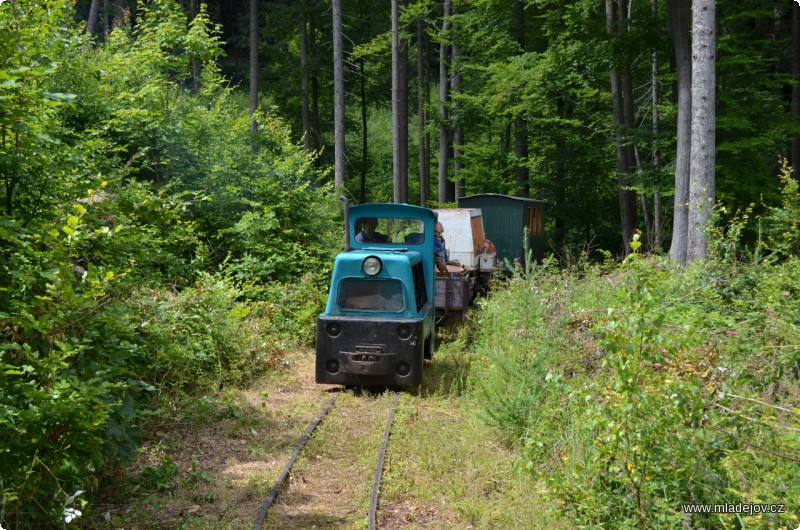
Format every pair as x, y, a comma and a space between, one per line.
396, 231
362, 294
420, 294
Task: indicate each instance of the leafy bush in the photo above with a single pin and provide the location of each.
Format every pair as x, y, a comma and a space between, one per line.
288, 311
124, 193
632, 390
195, 338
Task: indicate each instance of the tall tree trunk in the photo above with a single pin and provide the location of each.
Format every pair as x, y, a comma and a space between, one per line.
627, 199
106, 20
796, 86
312, 40
631, 149
444, 136
338, 96
702, 166
678, 13
646, 217
504, 143
304, 110
521, 173
396, 135
196, 71
364, 135
91, 23
424, 168
458, 128
253, 64
655, 237
632, 161
399, 106
427, 116
521, 155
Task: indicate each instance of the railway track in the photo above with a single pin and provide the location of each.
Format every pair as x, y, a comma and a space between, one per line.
273, 494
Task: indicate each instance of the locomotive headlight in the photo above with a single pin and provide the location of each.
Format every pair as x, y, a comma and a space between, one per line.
333, 329
403, 331
372, 266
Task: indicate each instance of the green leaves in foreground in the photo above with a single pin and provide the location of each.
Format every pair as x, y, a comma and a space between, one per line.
633, 390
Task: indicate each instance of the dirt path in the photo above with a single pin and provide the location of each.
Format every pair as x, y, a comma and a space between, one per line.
213, 465
331, 482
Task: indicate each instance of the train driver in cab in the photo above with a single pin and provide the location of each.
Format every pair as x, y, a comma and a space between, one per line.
368, 233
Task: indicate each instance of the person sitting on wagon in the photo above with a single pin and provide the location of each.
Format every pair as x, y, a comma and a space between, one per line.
439, 251
488, 246
368, 233
438, 242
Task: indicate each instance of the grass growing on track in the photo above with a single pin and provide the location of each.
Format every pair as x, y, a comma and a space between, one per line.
446, 468
330, 483
636, 388
210, 464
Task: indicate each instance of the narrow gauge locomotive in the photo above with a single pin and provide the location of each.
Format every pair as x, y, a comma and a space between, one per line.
378, 324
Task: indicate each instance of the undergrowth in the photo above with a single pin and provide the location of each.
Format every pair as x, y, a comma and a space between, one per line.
634, 389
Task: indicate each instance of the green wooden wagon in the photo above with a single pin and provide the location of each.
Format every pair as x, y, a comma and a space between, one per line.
505, 218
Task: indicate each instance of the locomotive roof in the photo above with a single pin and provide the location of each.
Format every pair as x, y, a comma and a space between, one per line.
387, 209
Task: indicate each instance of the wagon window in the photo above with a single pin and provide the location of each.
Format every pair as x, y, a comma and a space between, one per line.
389, 230
362, 294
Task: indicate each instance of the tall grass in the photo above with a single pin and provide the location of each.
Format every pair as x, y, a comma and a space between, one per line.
633, 389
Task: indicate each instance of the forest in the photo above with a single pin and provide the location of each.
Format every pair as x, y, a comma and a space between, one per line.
171, 174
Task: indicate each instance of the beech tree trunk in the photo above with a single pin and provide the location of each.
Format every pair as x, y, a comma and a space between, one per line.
458, 129
364, 135
427, 116
796, 87
338, 96
521, 172
654, 240
91, 23
444, 136
702, 171
253, 64
632, 160
627, 198
196, 67
106, 19
312, 41
424, 167
304, 108
399, 107
402, 79
678, 13
396, 135
521, 155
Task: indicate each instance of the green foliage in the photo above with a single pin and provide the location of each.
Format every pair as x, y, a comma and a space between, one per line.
636, 388
28, 109
142, 228
289, 311
783, 223
516, 406
652, 389
193, 339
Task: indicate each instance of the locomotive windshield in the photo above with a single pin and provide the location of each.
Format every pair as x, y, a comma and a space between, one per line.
368, 294
390, 230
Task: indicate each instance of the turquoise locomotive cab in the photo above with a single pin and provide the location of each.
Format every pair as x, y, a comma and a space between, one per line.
378, 325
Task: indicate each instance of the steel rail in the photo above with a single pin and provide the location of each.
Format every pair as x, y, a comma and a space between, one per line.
376, 488
273, 494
